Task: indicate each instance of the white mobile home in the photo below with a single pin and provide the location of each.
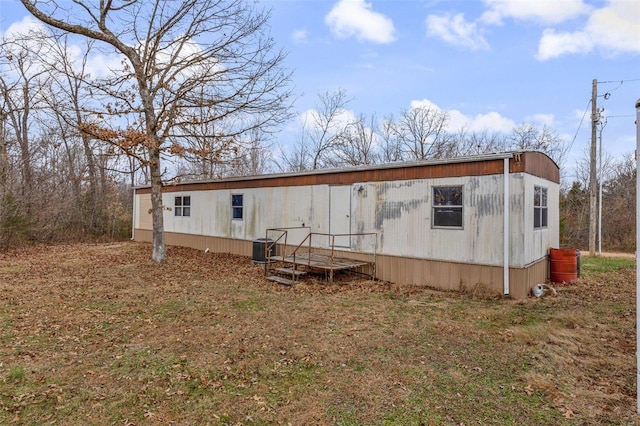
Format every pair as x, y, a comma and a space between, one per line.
486, 221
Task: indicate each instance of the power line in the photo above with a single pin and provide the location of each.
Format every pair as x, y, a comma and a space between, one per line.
579, 125
618, 81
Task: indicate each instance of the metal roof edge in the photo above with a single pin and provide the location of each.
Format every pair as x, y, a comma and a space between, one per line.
394, 165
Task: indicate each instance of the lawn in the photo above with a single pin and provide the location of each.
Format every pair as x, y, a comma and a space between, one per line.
98, 334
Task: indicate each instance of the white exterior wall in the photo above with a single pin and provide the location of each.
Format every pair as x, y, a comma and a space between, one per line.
262, 208
537, 242
517, 203
399, 211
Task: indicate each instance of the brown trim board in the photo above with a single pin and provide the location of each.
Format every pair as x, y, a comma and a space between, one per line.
534, 163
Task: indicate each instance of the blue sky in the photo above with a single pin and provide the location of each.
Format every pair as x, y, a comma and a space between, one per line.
491, 64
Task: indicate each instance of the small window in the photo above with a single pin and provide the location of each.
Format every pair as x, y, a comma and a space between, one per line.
539, 207
182, 206
447, 207
236, 206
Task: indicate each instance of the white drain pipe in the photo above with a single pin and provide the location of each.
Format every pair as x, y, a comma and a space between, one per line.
133, 217
505, 232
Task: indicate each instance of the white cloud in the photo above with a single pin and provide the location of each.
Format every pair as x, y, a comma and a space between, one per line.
98, 64
491, 121
616, 27
455, 30
101, 65
26, 33
355, 18
424, 103
544, 12
311, 117
613, 29
546, 119
300, 36
554, 44
24, 27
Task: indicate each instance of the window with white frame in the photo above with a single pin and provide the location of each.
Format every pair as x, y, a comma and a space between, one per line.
447, 207
182, 206
539, 207
236, 206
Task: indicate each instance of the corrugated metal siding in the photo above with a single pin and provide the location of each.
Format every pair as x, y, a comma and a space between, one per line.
399, 211
517, 205
538, 241
262, 209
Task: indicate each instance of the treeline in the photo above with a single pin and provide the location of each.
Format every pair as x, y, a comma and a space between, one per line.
65, 176
333, 136
56, 182
618, 220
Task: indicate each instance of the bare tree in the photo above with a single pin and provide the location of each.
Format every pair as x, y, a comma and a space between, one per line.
357, 144
294, 158
323, 126
466, 143
181, 58
619, 217
208, 150
527, 136
253, 158
4, 152
391, 149
70, 106
318, 138
4, 140
21, 85
421, 132
211, 157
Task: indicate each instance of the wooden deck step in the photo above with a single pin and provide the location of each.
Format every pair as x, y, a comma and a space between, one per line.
280, 280
289, 271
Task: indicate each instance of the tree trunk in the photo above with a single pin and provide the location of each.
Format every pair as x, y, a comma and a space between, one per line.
23, 141
158, 253
4, 155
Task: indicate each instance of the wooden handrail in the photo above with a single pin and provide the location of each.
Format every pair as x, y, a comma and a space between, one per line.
309, 237
284, 233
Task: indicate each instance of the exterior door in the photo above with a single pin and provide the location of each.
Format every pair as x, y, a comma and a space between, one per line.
340, 214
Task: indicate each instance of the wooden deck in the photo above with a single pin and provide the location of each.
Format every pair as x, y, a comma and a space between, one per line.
321, 261
304, 258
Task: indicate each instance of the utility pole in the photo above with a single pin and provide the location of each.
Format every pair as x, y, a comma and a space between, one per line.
637, 252
595, 119
601, 175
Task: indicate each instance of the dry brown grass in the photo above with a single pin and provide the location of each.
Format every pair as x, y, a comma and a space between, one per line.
98, 334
